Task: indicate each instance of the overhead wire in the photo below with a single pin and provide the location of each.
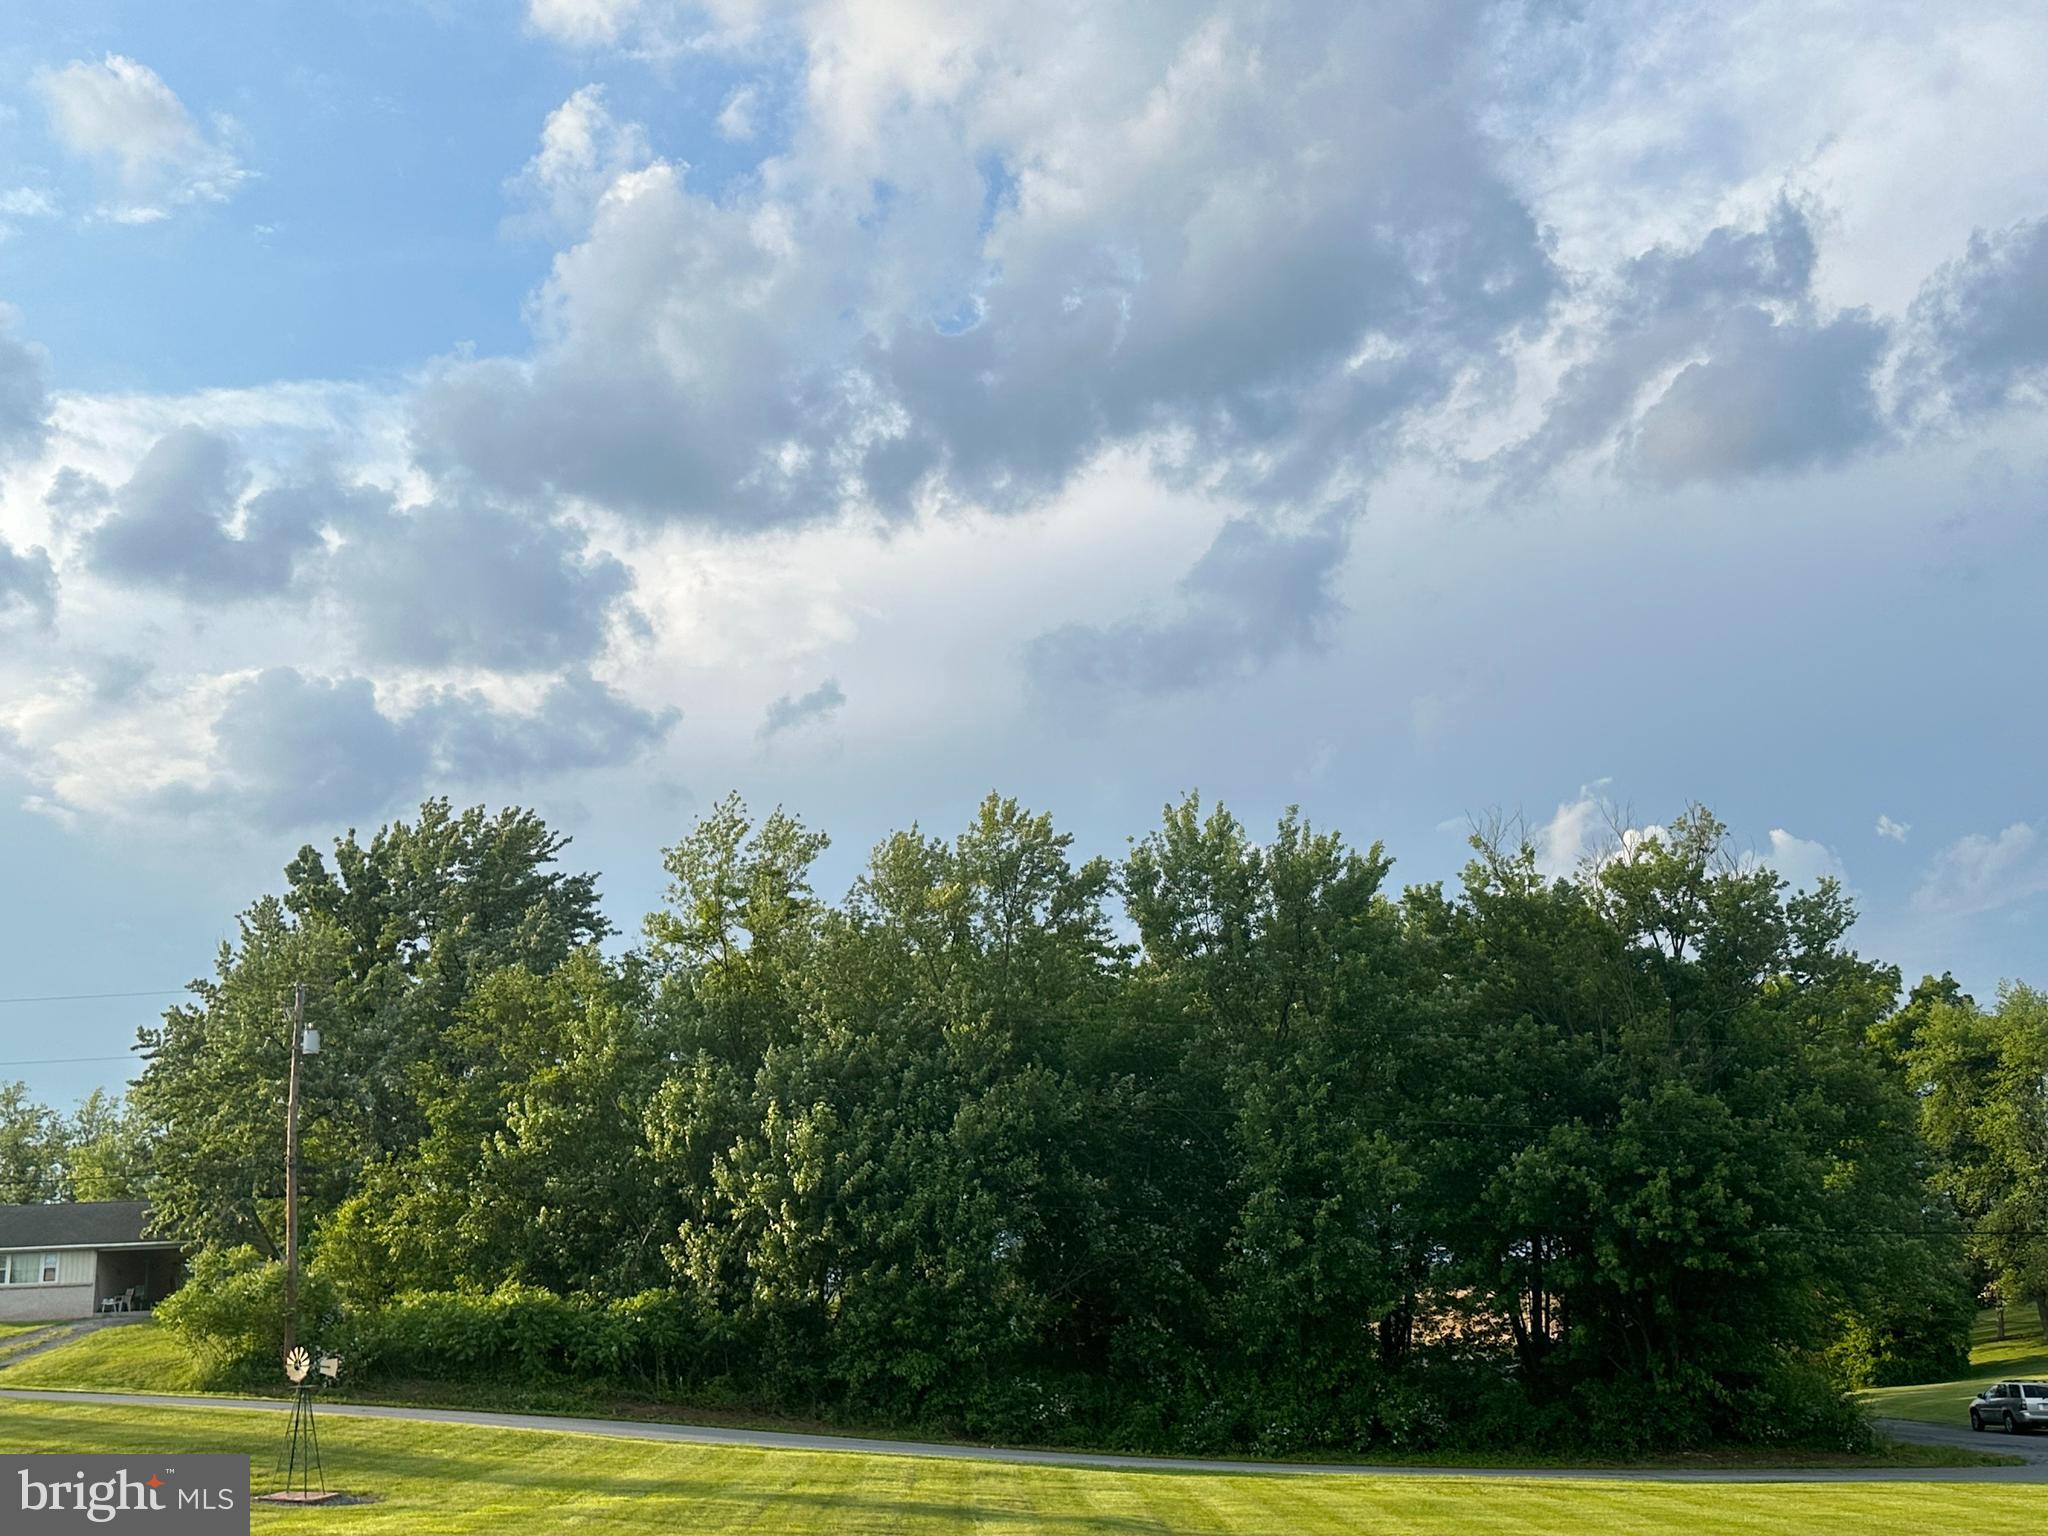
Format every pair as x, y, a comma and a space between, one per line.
88, 997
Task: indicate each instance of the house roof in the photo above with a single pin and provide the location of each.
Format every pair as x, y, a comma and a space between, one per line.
94, 1224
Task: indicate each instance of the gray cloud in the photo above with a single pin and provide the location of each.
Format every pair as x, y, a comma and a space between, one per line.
294, 749
463, 583
1763, 383
580, 723
28, 587
1256, 594
454, 582
171, 524
1767, 398
1165, 243
24, 395
1728, 266
790, 711
302, 749
117, 677
672, 381
76, 498
1984, 317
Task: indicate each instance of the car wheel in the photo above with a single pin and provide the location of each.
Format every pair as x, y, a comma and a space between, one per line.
1976, 1421
2008, 1422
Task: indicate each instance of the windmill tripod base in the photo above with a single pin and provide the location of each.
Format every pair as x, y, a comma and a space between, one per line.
299, 1458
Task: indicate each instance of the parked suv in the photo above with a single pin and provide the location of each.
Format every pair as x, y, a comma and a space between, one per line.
2012, 1405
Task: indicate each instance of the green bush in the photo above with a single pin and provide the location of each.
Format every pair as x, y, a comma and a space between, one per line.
666, 1342
1796, 1403
1930, 1342
655, 1340
230, 1315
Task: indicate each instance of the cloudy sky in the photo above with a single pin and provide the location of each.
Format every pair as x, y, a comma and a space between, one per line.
1416, 411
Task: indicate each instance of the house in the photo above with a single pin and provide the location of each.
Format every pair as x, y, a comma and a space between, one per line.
65, 1261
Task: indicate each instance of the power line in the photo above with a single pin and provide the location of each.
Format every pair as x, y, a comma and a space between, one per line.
66, 1061
87, 997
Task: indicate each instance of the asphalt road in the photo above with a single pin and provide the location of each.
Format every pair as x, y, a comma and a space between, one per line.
2021, 1443
2035, 1450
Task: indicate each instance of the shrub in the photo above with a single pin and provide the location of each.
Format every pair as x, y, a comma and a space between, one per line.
1797, 1402
1926, 1342
655, 1340
230, 1315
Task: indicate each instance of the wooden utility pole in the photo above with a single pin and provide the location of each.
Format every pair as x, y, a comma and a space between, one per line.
291, 1171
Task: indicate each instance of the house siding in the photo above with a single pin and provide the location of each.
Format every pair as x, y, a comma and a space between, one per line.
84, 1277
45, 1303
74, 1265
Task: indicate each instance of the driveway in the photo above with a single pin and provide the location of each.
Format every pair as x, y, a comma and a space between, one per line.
2020, 1443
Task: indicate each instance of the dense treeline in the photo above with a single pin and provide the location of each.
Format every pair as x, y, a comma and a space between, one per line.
97, 1152
1231, 1143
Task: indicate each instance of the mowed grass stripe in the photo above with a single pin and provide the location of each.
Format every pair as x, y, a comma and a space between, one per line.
456, 1480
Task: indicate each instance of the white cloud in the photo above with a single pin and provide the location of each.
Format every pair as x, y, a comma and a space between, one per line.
736, 117
1014, 245
1637, 121
26, 203
1979, 873
1895, 830
1592, 830
584, 23
119, 113
583, 151
1587, 830
1801, 862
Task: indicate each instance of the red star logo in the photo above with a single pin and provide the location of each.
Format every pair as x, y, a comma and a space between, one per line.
155, 1481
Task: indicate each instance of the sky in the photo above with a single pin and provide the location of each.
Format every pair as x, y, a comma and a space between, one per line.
1565, 411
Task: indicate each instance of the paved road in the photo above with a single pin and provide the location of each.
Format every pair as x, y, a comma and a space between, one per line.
2035, 1470
2033, 1447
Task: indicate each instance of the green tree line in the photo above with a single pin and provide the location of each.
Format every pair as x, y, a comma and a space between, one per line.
96, 1152
1231, 1142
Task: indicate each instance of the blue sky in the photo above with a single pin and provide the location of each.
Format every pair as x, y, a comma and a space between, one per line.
1413, 411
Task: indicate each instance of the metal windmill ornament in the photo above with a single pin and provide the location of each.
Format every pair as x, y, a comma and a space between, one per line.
305, 1481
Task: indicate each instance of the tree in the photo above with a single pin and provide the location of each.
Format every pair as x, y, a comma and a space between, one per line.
535, 1168
1687, 1160
868, 1132
1292, 968
100, 1151
111, 1150
390, 942
1983, 1080
1628, 1156
34, 1146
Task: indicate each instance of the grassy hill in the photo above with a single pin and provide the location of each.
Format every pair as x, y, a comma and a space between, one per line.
2022, 1354
135, 1357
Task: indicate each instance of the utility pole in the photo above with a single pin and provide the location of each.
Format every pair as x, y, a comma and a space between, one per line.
291, 1171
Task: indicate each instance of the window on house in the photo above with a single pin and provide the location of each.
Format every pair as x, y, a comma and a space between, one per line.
49, 1269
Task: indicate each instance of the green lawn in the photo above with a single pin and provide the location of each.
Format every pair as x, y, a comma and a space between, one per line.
134, 1357
452, 1480
2022, 1355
